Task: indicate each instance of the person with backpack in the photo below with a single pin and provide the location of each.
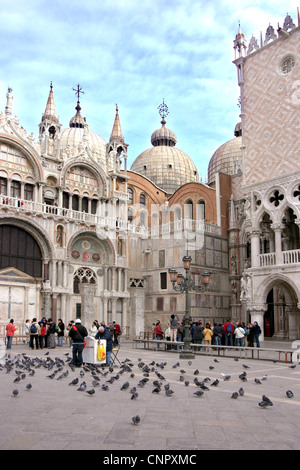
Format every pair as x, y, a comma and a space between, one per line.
228, 333
77, 333
34, 331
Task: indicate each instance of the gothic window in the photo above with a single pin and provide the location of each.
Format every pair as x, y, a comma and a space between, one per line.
85, 275
3, 186
200, 209
130, 196
143, 219
143, 199
295, 193
130, 215
94, 206
75, 202
188, 209
15, 189
28, 192
288, 64
84, 204
276, 198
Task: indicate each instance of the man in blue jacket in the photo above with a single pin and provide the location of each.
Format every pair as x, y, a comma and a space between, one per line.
104, 333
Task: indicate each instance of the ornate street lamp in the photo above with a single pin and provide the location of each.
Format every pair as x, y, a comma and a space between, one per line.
186, 284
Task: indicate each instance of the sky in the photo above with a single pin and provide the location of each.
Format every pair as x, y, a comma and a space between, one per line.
134, 53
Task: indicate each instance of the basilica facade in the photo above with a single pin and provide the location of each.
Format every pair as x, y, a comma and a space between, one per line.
83, 235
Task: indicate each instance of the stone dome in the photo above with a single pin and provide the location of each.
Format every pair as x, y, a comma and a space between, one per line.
166, 166
78, 136
227, 158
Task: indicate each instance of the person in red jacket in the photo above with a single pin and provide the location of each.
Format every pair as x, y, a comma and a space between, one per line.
228, 333
10, 331
117, 330
159, 334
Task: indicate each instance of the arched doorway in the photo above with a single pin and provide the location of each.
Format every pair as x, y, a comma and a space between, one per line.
21, 271
282, 318
18, 249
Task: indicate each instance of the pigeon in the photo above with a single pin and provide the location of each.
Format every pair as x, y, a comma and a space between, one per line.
257, 381
74, 381
82, 387
196, 372
15, 393
245, 366
156, 390
134, 396
51, 376
169, 392
241, 391
243, 377
226, 377
293, 366
264, 377
215, 383
266, 399
289, 394
90, 392
211, 367
136, 420
202, 386
234, 395
28, 387
17, 379
95, 383
263, 404
125, 386
186, 383
199, 393
105, 387
216, 360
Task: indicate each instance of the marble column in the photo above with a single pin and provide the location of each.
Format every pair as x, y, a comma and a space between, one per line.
88, 312
257, 314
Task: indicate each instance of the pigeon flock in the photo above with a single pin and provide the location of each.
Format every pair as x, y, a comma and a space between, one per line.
128, 377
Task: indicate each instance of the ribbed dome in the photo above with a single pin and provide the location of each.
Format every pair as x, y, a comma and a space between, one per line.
167, 167
226, 159
73, 140
163, 136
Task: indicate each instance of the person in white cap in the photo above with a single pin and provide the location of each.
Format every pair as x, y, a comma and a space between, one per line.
77, 333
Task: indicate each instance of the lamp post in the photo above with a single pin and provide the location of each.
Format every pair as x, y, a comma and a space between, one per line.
186, 284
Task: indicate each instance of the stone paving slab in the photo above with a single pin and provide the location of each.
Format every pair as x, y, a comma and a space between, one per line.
54, 415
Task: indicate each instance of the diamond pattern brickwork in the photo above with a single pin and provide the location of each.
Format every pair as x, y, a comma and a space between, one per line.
272, 111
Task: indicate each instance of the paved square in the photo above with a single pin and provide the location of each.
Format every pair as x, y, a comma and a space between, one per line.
54, 415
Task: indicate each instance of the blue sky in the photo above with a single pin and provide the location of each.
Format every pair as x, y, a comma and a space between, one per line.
134, 53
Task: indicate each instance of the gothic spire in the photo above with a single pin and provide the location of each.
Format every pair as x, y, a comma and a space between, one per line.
50, 110
116, 133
